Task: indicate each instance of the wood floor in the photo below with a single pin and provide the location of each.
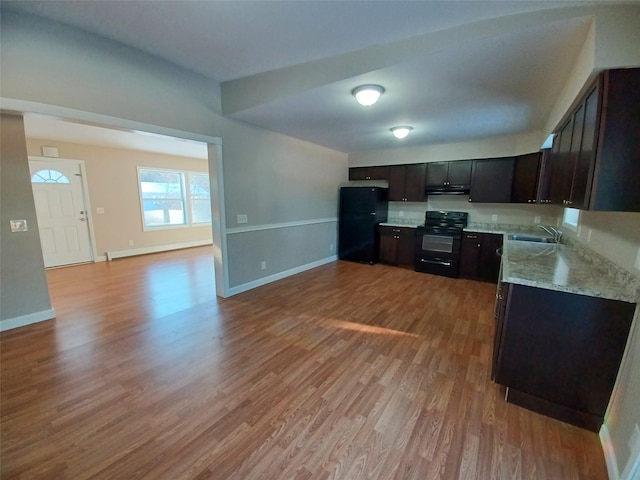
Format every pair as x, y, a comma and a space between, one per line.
346, 371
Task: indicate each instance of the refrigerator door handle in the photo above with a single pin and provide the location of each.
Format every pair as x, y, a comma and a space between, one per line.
373, 213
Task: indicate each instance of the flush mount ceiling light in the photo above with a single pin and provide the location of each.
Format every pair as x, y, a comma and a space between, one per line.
367, 95
401, 131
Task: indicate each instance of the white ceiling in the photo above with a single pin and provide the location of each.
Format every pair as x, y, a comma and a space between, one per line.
48, 128
455, 70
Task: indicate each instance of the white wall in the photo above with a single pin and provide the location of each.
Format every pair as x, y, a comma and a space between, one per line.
485, 148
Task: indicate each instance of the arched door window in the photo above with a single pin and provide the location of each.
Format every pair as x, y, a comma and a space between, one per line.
49, 176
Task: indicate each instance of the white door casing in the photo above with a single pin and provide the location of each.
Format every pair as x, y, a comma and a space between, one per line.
61, 208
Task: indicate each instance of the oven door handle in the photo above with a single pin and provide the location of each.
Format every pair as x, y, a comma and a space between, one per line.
436, 262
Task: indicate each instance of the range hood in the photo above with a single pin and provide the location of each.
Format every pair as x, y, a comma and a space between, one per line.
447, 190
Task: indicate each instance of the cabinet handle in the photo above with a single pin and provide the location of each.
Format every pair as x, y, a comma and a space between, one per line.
396, 230
472, 236
367, 178
469, 199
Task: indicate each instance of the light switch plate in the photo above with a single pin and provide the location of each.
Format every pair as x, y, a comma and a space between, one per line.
18, 226
494, 217
99, 210
536, 219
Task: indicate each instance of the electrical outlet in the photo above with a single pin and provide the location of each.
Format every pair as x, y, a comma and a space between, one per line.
331, 247
494, 217
100, 210
131, 243
634, 441
536, 219
589, 232
401, 213
638, 260
263, 265
243, 218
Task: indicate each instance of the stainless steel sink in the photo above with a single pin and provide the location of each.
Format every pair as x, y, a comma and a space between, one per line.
530, 238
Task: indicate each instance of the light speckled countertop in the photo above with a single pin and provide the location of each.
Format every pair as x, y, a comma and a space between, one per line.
395, 223
566, 268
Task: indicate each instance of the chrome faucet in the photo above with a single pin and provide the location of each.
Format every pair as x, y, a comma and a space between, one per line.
554, 232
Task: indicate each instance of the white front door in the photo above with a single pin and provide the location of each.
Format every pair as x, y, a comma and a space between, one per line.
62, 216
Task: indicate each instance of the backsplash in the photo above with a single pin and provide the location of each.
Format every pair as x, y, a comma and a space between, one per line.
412, 213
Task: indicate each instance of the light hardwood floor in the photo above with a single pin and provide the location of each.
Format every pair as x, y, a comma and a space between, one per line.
346, 371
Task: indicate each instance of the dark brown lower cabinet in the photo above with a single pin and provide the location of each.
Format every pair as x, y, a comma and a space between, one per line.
559, 353
397, 245
478, 257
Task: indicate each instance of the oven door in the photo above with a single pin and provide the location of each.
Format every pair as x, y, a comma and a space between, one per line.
437, 253
437, 244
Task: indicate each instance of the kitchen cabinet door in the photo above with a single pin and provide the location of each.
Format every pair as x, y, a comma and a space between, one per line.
397, 245
470, 255
414, 182
440, 174
525, 178
583, 170
406, 182
405, 254
369, 173
561, 173
491, 180
460, 172
388, 245
479, 259
490, 257
559, 353
437, 174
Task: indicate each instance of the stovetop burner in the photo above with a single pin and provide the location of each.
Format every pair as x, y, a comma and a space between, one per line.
439, 218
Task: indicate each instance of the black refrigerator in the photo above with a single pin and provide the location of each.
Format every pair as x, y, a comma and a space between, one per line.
361, 210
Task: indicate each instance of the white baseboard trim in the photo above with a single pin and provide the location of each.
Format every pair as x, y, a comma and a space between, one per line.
159, 248
28, 319
279, 276
101, 258
609, 453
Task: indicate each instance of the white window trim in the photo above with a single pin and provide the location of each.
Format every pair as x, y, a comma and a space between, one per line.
186, 192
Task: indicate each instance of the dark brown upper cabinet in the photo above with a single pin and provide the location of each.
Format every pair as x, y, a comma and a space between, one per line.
445, 174
491, 180
406, 182
369, 173
526, 175
595, 161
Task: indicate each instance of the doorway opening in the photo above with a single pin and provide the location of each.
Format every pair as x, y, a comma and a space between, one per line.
100, 162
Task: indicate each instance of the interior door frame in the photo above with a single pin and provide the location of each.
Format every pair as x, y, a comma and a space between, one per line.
86, 200
216, 171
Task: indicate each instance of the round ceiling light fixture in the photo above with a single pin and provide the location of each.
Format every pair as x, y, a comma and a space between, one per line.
401, 131
367, 95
